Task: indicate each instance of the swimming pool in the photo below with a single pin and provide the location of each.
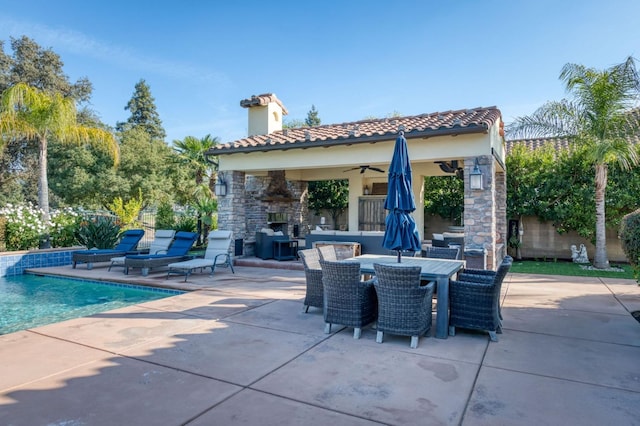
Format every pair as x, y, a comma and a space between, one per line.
28, 301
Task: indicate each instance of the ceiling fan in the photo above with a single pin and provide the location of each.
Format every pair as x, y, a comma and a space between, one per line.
364, 168
452, 167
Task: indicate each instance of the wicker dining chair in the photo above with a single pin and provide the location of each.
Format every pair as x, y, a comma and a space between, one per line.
469, 274
313, 273
474, 300
452, 253
328, 252
348, 300
404, 306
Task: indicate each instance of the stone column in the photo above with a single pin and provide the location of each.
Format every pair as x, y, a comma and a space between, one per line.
480, 209
232, 207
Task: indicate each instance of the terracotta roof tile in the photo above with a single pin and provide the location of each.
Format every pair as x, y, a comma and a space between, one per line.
532, 144
557, 143
263, 100
476, 120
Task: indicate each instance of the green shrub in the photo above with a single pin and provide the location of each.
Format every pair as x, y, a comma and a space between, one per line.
186, 222
630, 239
99, 232
165, 217
64, 228
3, 231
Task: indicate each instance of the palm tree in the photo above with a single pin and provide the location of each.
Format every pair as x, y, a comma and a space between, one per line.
600, 116
37, 116
192, 150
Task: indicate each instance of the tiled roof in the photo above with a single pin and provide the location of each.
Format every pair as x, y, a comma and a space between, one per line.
263, 100
532, 144
557, 143
477, 120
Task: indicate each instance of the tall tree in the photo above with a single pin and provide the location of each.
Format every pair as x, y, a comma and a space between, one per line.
42, 69
37, 116
598, 116
312, 119
191, 150
143, 113
39, 68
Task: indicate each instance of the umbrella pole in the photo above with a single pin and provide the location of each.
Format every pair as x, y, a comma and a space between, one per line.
399, 256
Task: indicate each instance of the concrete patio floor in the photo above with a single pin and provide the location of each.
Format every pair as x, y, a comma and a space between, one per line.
239, 350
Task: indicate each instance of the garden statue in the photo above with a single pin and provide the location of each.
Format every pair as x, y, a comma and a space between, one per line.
579, 256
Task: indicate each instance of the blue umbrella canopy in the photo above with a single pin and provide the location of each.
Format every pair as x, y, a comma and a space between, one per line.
401, 232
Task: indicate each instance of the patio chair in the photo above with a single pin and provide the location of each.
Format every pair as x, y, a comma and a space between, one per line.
129, 239
313, 273
347, 300
404, 306
218, 253
452, 253
474, 300
161, 241
328, 252
177, 252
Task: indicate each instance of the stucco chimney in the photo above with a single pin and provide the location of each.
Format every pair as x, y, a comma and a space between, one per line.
265, 113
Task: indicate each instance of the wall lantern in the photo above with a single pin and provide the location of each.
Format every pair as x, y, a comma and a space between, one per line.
475, 177
220, 187
366, 190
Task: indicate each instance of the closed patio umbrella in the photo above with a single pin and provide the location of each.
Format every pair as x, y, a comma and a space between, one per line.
401, 232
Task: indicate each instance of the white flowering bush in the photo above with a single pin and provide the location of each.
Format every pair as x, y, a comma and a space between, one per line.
64, 227
24, 227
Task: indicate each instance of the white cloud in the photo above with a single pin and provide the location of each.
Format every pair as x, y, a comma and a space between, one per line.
64, 39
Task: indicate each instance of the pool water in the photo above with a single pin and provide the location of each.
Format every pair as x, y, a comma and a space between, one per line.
28, 301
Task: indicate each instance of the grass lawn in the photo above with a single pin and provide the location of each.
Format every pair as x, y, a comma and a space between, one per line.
567, 268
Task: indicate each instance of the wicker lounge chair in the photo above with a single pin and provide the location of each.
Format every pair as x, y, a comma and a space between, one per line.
161, 241
347, 300
452, 253
404, 306
177, 252
474, 300
218, 253
129, 239
313, 273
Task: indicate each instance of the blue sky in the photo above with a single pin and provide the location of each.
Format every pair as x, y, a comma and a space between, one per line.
351, 59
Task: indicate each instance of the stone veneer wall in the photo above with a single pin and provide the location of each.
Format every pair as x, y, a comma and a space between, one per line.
244, 209
480, 209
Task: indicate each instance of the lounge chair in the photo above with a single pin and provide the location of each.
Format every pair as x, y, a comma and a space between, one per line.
177, 252
160, 244
218, 253
129, 239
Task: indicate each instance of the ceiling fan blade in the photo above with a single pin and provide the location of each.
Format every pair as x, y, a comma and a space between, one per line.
375, 169
348, 170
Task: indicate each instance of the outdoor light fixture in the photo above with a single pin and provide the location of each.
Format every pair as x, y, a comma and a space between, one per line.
475, 177
220, 187
366, 190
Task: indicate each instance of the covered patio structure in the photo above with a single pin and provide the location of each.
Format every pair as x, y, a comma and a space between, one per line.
267, 172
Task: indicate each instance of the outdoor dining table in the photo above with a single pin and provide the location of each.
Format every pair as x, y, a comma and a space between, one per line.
438, 270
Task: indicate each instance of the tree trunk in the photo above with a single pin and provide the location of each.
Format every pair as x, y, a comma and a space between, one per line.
43, 189
600, 259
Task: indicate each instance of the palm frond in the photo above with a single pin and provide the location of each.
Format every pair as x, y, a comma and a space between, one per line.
553, 119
